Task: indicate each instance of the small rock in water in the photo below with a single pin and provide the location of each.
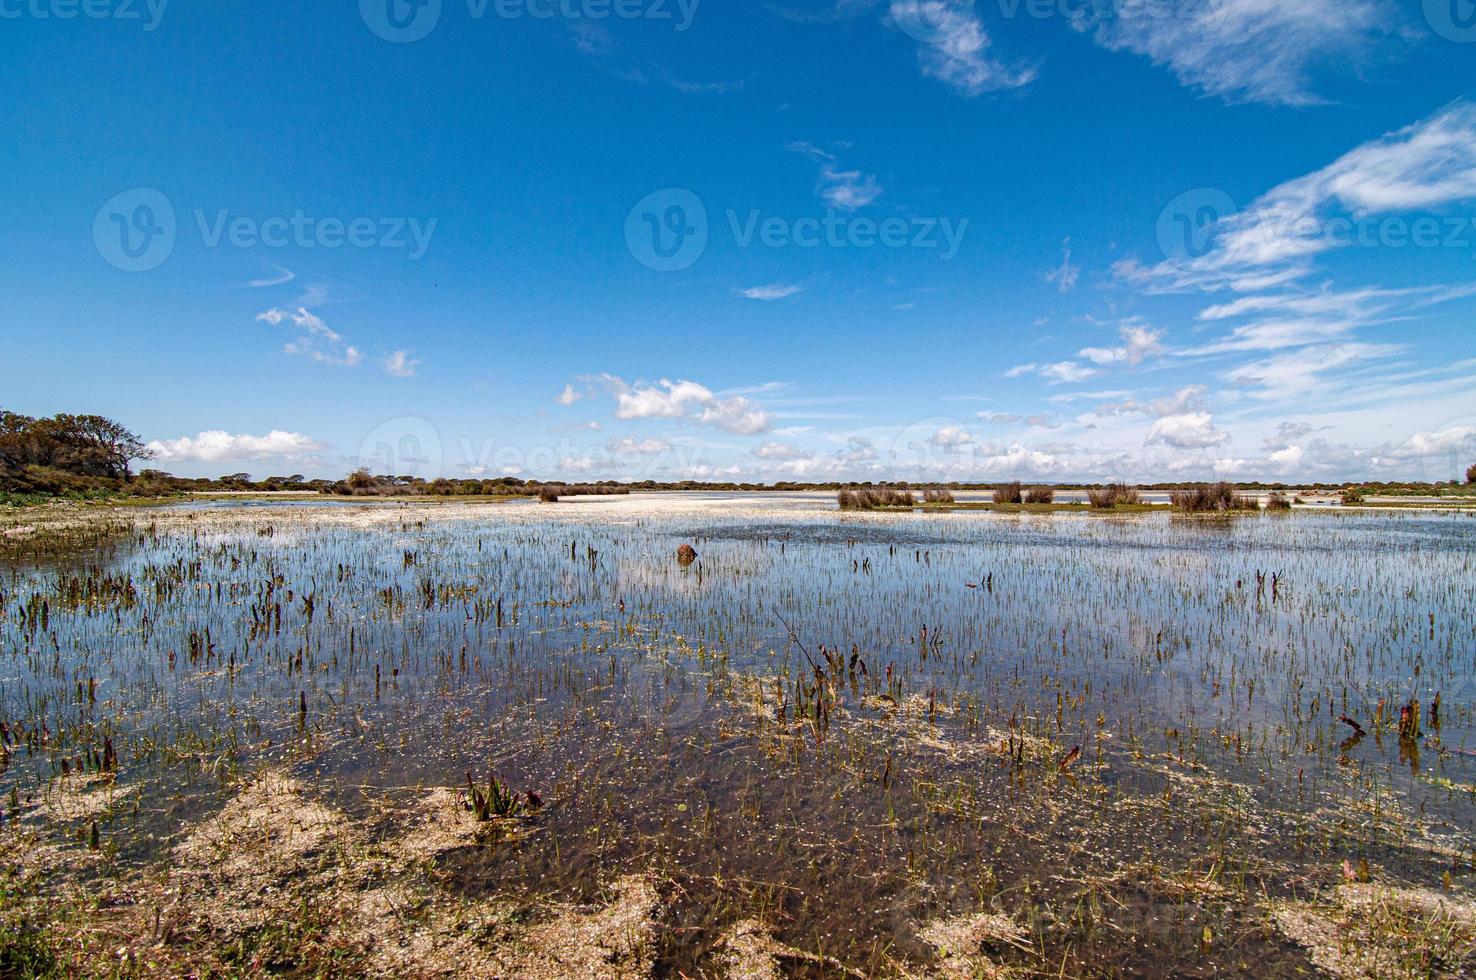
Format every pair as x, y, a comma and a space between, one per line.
686, 554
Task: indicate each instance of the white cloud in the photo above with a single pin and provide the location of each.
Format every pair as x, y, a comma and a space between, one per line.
629, 446
1195, 430
400, 364
569, 396
1430, 165
1299, 373
951, 437
774, 292
688, 400
216, 446
1068, 372
1066, 275
844, 190
955, 47
1138, 342
315, 339
780, 451
1243, 50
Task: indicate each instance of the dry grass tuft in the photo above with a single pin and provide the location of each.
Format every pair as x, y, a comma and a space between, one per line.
1368, 931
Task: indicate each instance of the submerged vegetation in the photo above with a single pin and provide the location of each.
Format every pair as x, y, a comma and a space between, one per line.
523, 741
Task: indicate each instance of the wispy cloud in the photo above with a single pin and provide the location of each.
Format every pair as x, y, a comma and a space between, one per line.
315, 339
1430, 165
777, 291
1245, 50
844, 190
955, 48
1066, 274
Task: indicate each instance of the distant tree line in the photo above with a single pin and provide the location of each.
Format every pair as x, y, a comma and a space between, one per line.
89, 455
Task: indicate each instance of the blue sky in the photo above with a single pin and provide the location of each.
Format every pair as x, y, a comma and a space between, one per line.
861, 239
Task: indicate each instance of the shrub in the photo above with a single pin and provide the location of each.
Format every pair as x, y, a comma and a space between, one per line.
549, 494
870, 498
1278, 501
1211, 498
937, 495
1105, 498
1471, 474
1352, 495
1009, 493
1040, 495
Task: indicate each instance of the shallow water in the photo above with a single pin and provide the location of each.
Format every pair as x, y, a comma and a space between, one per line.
833, 708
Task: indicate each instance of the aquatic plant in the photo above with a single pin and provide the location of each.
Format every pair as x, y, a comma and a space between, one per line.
1040, 495
871, 498
1211, 497
1009, 493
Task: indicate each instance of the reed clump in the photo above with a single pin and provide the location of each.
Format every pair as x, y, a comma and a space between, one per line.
937, 495
1009, 493
1277, 501
872, 498
1040, 495
1206, 498
1112, 495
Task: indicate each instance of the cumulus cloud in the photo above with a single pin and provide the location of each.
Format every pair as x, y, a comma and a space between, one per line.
400, 364
955, 48
315, 339
217, 446
951, 437
1138, 343
690, 401
1195, 430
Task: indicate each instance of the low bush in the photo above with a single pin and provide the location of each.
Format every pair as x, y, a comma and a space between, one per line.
1040, 495
870, 498
1211, 498
1009, 493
